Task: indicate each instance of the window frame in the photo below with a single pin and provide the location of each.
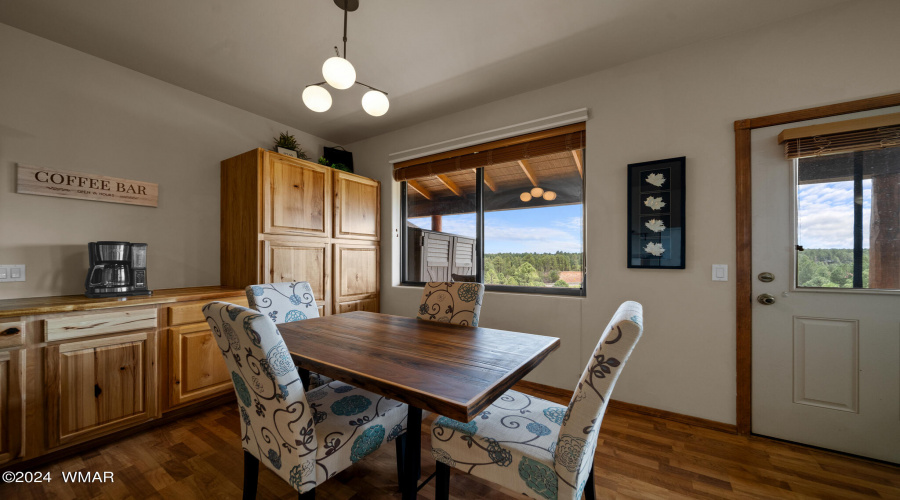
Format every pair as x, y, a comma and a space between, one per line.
479, 242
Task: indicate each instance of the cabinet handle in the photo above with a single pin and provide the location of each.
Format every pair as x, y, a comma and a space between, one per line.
97, 390
10, 331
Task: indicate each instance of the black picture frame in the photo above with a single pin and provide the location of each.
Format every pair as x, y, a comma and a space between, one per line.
656, 225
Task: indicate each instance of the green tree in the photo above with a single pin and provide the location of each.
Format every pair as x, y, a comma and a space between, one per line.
561, 284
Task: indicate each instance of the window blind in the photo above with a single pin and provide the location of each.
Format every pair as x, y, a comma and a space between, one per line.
542, 143
862, 134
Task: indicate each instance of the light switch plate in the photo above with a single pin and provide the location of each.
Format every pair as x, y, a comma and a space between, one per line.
12, 272
720, 272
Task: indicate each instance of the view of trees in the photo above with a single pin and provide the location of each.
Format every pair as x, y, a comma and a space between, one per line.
529, 269
829, 268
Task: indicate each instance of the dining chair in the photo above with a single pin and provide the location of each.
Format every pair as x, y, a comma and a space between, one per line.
284, 303
305, 437
451, 302
533, 446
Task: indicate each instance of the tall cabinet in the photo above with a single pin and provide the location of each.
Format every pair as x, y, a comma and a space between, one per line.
285, 219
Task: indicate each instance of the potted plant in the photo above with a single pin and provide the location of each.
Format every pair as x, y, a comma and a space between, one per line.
287, 144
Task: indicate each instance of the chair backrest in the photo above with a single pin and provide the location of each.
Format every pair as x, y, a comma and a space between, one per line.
451, 302
277, 424
283, 302
581, 423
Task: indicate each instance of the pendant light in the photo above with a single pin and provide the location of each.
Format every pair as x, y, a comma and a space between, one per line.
340, 74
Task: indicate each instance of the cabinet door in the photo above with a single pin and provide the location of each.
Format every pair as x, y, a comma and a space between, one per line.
196, 368
12, 404
297, 197
300, 260
356, 273
356, 207
94, 387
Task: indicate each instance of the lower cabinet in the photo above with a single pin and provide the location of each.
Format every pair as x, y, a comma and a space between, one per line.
196, 368
356, 277
368, 305
12, 404
93, 387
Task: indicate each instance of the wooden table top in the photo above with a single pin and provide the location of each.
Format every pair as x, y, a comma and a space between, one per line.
453, 370
47, 305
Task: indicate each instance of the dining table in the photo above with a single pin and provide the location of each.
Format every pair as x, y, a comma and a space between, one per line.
453, 370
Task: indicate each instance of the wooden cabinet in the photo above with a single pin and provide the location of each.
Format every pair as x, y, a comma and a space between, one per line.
300, 260
357, 205
196, 370
95, 386
12, 404
296, 196
285, 219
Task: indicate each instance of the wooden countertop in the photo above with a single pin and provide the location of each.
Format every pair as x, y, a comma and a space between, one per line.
48, 305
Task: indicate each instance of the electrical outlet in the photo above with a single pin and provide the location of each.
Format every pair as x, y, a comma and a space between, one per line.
12, 273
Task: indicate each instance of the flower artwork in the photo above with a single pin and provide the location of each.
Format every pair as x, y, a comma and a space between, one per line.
656, 214
655, 202
656, 179
655, 225
655, 249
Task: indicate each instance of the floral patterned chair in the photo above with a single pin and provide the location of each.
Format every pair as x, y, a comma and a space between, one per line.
535, 447
284, 303
451, 302
304, 437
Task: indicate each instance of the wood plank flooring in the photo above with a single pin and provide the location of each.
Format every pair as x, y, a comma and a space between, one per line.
638, 456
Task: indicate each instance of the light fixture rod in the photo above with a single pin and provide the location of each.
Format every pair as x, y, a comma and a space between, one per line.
345, 29
359, 82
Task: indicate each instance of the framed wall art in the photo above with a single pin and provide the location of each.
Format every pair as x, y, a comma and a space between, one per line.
656, 214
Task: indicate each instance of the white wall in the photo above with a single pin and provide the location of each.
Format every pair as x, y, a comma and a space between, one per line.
682, 102
60, 108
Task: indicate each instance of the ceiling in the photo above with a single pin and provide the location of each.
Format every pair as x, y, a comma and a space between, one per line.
433, 58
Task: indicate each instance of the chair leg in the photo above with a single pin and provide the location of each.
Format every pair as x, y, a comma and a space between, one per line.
442, 482
251, 475
589, 492
401, 456
309, 495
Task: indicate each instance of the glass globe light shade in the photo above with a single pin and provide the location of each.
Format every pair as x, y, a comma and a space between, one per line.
537, 192
375, 103
317, 98
549, 195
339, 73
526, 196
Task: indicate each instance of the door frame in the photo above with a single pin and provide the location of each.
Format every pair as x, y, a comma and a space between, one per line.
743, 233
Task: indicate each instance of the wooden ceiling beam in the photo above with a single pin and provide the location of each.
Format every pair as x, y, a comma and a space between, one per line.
421, 190
529, 172
488, 180
576, 153
450, 185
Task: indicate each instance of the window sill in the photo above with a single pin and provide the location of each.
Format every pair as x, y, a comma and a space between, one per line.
524, 290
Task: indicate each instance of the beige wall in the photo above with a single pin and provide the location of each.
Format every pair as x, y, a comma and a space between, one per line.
682, 102
60, 108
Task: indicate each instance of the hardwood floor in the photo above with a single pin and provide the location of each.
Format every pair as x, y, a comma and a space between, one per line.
638, 456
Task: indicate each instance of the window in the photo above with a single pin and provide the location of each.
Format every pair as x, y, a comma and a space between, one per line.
848, 220
847, 180
509, 215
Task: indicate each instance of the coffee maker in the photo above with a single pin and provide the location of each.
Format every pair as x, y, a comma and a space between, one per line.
117, 269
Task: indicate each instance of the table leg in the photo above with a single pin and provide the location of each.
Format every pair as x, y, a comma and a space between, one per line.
304, 377
413, 458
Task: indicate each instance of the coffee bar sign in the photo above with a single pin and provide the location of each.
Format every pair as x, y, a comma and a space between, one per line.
65, 184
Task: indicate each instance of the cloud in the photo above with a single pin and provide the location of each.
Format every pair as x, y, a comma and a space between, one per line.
825, 214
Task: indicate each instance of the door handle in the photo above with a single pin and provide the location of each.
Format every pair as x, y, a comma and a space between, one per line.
765, 299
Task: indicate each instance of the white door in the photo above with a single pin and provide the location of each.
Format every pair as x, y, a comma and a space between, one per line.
826, 360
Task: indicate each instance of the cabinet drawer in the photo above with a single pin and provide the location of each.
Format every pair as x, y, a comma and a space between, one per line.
368, 305
192, 312
71, 326
12, 334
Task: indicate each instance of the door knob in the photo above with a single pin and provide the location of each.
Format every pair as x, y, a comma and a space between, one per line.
765, 299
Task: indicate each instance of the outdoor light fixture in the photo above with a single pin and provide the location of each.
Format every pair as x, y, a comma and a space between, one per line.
340, 74
537, 192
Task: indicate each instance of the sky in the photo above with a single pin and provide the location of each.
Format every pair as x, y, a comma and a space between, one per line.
825, 213
541, 230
